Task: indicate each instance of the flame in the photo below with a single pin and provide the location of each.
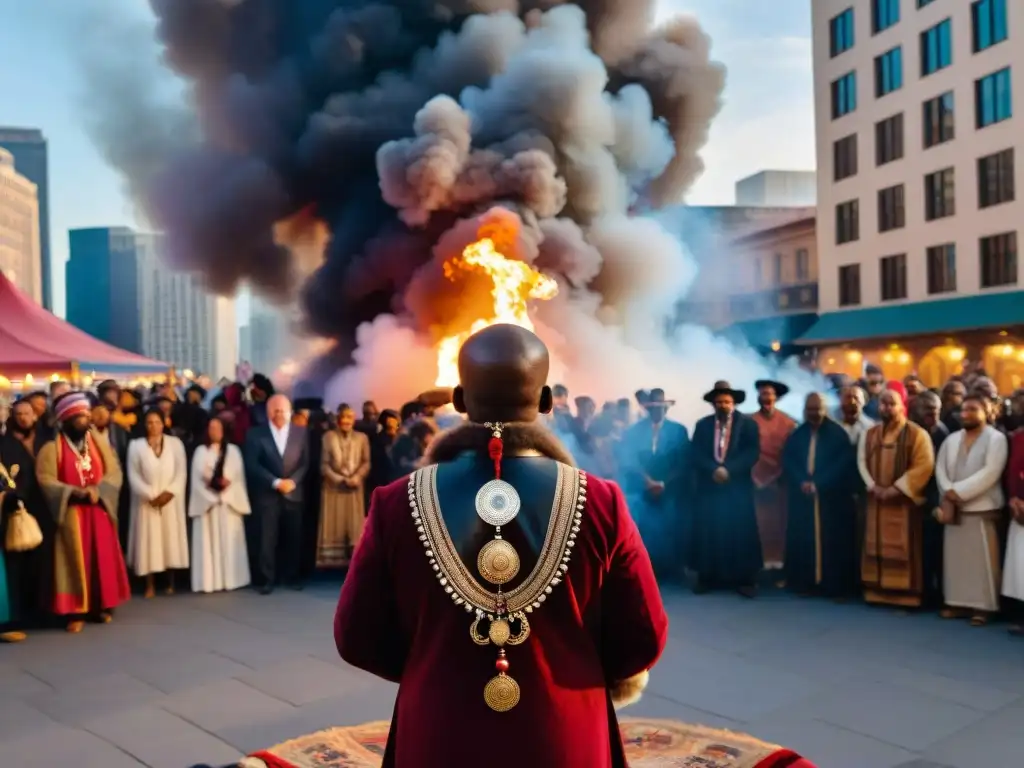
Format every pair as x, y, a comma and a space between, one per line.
514, 284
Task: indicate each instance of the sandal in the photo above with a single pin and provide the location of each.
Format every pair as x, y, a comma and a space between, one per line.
12, 637
979, 620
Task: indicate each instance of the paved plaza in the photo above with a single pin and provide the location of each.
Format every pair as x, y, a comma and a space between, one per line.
205, 678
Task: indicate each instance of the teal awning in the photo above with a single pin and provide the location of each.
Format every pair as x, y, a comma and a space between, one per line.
765, 331
922, 318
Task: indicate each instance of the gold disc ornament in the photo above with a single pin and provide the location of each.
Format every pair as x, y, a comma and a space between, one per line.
501, 693
498, 561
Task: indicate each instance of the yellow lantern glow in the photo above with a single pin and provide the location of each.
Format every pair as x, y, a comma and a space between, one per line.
28, 379
887, 357
956, 354
904, 358
776, 346
854, 356
1007, 350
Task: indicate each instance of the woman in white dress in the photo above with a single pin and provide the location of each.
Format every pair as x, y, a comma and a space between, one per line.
216, 505
157, 475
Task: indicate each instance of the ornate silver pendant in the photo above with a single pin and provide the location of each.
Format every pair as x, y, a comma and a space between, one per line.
497, 503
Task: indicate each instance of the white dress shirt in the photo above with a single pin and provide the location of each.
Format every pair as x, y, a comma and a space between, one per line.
280, 437
281, 443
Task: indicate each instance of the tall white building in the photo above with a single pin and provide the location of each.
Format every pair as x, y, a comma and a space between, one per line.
20, 258
778, 189
185, 324
916, 147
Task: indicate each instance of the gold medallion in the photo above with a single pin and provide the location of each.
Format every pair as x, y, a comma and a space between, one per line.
499, 632
501, 693
498, 561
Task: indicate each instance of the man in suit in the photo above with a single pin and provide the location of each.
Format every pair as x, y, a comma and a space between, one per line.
276, 462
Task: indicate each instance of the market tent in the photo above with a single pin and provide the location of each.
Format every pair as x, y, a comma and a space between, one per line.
34, 341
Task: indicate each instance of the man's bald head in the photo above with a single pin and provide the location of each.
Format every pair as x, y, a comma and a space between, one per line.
503, 373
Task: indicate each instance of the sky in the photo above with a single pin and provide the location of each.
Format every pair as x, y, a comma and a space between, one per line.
767, 121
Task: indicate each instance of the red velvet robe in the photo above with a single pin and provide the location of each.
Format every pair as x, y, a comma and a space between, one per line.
604, 623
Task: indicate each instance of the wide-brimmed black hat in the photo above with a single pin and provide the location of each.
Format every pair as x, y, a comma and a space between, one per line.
198, 389
723, 388
656, 399
780, 389
107, 385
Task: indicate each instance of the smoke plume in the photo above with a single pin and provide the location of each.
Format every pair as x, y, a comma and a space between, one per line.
396, 132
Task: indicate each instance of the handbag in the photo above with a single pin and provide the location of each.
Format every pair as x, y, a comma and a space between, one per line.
23, 531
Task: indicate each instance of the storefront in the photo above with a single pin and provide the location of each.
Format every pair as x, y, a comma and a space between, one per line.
933, 339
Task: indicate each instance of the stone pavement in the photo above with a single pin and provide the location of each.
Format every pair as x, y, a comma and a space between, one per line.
205, 678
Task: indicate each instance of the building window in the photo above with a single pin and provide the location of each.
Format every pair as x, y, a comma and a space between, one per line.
840, 33
936, 48
988, 23
844, 95
923, 3
893, 277
889, 72
847, 222
803, 265
849, 285
939, 194
941, 261
889, 139
884, 14
993, 102
998, 255
938, 120
777, 269
844, 158
995, 179
890, 208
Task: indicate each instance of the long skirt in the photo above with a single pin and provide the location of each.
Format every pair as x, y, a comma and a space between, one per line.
1013, 573
341, 526
971, 569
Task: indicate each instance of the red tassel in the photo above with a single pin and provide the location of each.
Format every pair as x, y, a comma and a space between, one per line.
495, 448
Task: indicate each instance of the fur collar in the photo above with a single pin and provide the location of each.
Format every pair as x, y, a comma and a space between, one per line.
517, 437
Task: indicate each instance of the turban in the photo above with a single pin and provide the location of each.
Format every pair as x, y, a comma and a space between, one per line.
898, 389
71, 405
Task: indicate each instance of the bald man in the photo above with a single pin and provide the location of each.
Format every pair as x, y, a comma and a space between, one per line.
896, 461
531, 633
276, 463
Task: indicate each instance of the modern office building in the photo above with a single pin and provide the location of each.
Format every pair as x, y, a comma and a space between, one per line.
19, 229
918, 213
778, 189
31, 160
119, 290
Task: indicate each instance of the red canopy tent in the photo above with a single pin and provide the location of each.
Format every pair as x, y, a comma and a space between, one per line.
34, 341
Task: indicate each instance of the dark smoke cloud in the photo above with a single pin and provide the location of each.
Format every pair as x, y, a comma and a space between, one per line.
391, 122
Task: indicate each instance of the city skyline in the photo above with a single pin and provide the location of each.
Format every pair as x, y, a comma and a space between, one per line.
767, 120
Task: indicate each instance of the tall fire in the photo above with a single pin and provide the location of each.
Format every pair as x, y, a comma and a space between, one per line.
514, 284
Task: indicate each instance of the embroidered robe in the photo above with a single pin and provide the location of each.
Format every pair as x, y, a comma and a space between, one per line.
1013, 564
603, 622
87, 554
898, 455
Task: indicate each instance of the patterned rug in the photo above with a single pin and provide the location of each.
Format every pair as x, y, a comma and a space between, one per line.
649, 743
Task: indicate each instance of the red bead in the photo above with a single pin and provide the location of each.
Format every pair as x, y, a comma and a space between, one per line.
495, 448
501, 665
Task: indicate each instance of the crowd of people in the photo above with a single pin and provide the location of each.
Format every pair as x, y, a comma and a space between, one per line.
899, 494
884, 490
121, 490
